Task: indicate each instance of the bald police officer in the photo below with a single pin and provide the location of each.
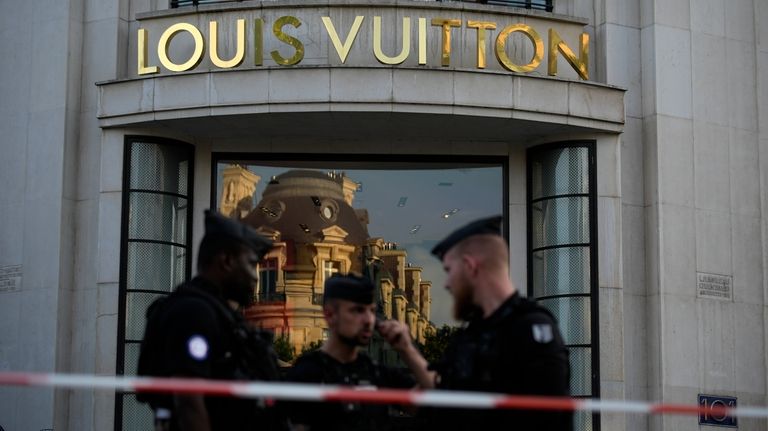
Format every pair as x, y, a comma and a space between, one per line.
198, 331
350, 312
510, 345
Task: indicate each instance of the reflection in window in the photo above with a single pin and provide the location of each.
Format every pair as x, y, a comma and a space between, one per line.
267, 277
562, 255
323, 222
329, 269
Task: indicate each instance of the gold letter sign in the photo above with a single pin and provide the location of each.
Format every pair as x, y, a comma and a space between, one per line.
165, 42
342, 50
384, 59
143, 68
213, 29
501, 48
277, 29
580, 65
235, 46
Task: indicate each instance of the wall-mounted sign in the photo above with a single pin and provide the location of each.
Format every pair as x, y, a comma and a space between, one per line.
10, 278
230, 42
714, 286
713, 413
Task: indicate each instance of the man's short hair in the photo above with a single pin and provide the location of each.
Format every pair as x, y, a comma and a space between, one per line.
486, 226
349, 287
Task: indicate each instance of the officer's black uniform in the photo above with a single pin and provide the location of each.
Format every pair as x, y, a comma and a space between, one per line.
194, 333
319, 367
516, 350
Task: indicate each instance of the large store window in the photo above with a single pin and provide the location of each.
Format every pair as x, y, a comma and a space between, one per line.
155, 249
378, 216
562, 239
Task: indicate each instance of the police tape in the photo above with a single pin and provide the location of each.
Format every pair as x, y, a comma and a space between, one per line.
328, 393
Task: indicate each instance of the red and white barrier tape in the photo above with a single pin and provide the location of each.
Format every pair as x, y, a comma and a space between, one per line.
321, 393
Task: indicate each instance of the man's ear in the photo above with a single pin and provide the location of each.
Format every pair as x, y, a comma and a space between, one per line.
328, 313
470, 264
225, 261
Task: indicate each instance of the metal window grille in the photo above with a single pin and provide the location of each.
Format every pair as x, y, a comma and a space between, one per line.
183, 3
546, 5
562, 255
155, 249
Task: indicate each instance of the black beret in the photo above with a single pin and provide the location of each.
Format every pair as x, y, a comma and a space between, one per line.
486, 226
216, 225
349, 287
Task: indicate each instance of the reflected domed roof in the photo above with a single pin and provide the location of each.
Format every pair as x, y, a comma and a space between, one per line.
300, 204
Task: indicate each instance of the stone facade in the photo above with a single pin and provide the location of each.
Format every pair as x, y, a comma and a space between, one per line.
676, 103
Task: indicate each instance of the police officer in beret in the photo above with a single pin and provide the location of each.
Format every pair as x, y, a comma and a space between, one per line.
350, 312
510, 345
198, 331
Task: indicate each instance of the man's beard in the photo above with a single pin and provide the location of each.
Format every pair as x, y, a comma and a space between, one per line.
352, 341
241, 294
463, 306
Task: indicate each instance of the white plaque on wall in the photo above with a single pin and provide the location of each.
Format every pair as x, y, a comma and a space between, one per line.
10, 278
714, 286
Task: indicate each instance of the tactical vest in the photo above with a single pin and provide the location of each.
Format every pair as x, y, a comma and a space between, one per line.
473, 359
250, 354
478, 360
353, 416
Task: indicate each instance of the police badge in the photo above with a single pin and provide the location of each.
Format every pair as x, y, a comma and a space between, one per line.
542, 332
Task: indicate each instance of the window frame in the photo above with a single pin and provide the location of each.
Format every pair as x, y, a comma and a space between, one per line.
268, 268
375, 161
594, 287
128, 142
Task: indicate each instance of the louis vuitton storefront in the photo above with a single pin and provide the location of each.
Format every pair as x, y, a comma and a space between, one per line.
356, 134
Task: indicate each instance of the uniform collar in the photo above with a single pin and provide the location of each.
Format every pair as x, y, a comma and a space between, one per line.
502, 312
207, 287
360, 357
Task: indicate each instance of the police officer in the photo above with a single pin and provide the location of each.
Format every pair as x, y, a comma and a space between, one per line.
510, 345
197, 331
350, 312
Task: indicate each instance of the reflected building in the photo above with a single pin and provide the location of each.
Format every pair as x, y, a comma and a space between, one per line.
317, 233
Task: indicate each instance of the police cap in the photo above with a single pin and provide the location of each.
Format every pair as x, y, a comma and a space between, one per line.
486, 226
349, 287
216, 225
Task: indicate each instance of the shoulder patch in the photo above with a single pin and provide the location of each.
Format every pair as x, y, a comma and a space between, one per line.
542, 332
197, 347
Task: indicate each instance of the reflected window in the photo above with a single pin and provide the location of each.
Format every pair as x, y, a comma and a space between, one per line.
329, 269
323, 221
267, 277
